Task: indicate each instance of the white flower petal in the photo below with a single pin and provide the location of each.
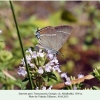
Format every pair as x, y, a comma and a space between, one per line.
40, 70
67, 83
64, 75
80, 76
43, 88
34, 54
50, 87
48, 68
50, 56
31, 65
40, 54
37, 88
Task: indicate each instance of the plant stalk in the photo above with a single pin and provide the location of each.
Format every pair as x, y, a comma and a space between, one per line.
18, 33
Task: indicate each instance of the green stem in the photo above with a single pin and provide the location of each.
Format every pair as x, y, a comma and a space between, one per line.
39, 82
18, 33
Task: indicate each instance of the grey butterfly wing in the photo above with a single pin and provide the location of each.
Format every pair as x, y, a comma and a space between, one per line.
47, 38
53, 38
63, 33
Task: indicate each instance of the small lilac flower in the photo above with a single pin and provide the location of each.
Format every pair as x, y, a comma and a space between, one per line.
80, 76
29, 50
68, 82
31, 65
0, 31
50, 56
49, 51
23, 62
40, 70
21, 71
50, 87
28, 58
64, 75
56, 68
48, 68
55, 60
34, 54
40, 54
40, 50
37, 88
51, 63
59, 71
74, 88
43, 88
68, 79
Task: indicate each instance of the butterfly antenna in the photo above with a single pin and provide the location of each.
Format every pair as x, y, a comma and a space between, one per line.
62, 56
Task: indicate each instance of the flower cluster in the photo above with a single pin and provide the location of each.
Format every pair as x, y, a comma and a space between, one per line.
42, 66
37, 60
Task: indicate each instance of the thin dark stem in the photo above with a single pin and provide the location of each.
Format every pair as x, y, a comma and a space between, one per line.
18, 33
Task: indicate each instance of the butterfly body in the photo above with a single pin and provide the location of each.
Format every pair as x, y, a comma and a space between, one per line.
53, 38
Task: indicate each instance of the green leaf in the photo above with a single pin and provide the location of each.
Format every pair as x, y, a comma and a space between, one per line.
24, 83
96, 88
68, 16
52, 76
2, 75
5, 55
18, 83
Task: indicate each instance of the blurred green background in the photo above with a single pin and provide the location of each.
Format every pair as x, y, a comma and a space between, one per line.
81, 50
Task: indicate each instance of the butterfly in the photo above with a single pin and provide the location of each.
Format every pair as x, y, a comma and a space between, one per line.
53, 38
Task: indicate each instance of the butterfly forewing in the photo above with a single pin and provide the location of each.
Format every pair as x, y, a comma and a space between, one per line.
46, 30
63, 28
